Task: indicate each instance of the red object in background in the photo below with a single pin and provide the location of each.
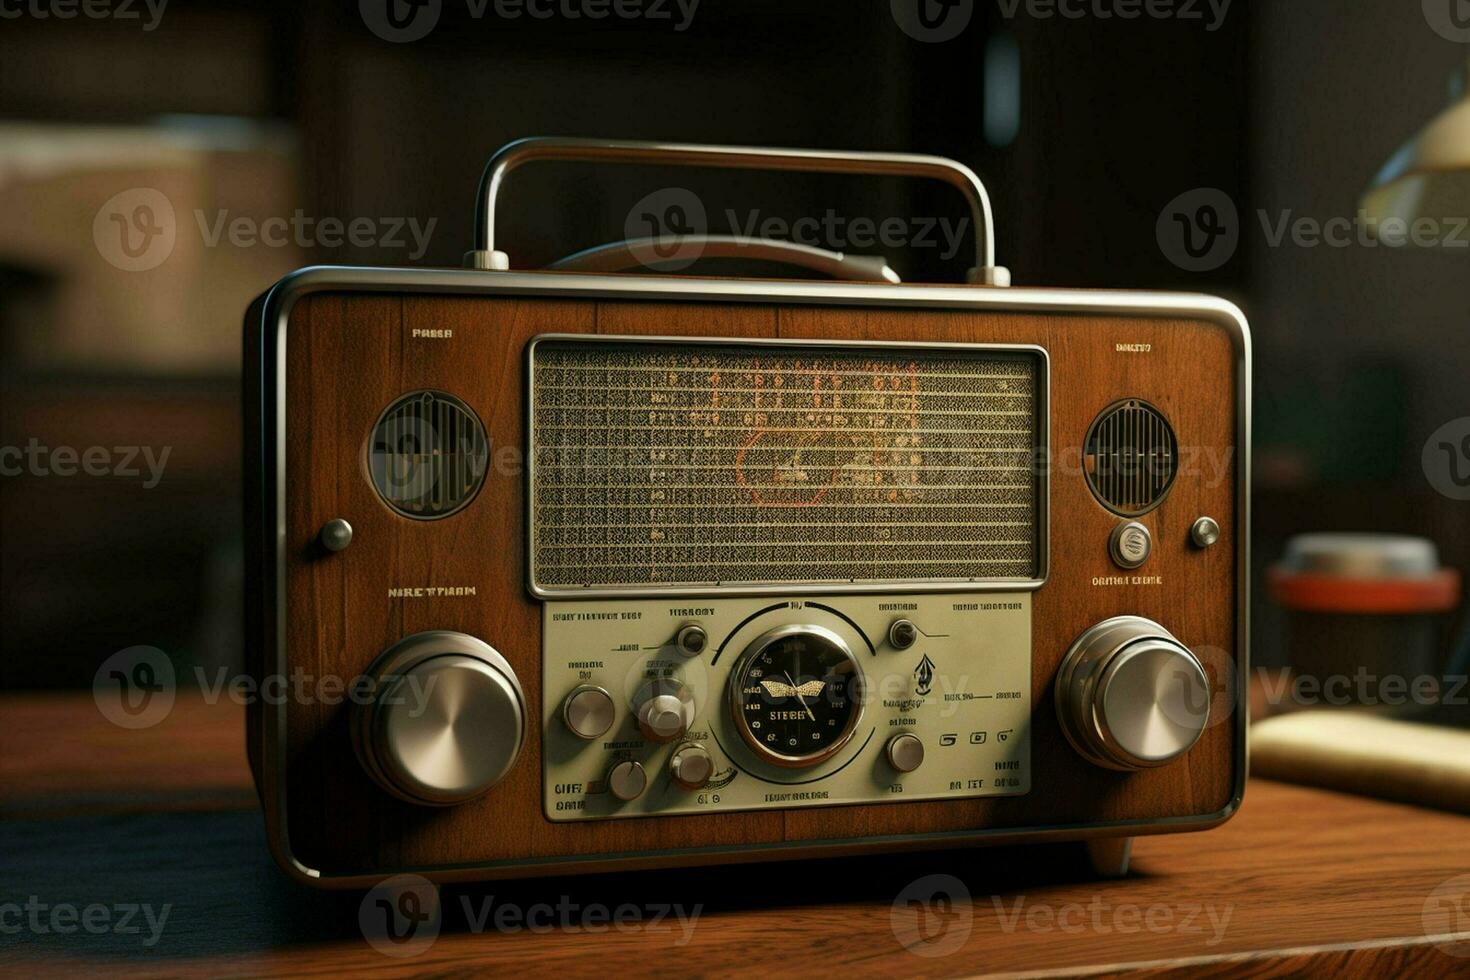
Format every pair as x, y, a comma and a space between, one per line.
1435, 592
1369, 605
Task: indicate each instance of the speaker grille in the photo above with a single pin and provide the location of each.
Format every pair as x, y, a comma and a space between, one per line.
427, 455
1131, 458
666, 464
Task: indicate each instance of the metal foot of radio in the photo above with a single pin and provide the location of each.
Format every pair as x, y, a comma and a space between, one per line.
1108, 856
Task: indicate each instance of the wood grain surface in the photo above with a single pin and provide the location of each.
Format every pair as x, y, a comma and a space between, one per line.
350, 355
1303, 882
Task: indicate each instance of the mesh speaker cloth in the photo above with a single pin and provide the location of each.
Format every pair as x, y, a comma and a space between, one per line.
666, 464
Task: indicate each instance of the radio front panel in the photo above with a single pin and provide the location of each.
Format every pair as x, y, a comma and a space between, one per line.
690, 571
803, 703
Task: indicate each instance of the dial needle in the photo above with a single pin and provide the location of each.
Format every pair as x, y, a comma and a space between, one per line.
800, 700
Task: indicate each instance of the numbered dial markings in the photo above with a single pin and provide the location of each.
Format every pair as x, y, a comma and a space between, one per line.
796, 695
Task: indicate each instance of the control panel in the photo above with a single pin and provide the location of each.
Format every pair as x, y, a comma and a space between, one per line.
686, 706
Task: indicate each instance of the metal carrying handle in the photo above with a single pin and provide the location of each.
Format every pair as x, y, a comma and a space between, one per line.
545, 148
633, 252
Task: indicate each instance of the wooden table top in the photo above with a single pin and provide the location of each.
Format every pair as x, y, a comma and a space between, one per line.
96, 820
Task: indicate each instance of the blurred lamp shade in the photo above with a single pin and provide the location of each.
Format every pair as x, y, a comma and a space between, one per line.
1429, 177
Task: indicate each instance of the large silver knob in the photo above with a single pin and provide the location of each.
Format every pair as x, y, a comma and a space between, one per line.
1131, 696
664, 710
446, 720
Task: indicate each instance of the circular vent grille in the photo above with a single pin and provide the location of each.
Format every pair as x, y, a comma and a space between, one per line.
427, 455
1131, 457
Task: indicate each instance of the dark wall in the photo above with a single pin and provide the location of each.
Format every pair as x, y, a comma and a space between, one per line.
1117, 118
1362, 352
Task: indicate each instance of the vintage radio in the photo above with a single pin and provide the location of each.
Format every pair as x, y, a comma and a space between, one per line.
581, 571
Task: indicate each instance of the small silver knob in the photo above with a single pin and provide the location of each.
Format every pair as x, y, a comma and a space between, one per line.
1205, 532
691, 766
1130, 545
447, 720
665, 710
336, 534
589, 712
627, 780
1131, 696
905, 752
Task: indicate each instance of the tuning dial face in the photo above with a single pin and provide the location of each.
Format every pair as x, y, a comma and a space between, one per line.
664, 709
1131, 696
796, 695
446, 721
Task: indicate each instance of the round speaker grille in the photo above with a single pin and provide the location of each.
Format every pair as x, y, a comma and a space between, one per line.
1131, 457
427, 455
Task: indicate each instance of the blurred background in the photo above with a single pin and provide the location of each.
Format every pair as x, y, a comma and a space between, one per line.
177, 130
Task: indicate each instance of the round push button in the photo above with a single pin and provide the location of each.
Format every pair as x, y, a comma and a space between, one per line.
336, 534
905, 752
903, 634
589, 712
691, 640
1130, 545
690, 767
1205, 532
